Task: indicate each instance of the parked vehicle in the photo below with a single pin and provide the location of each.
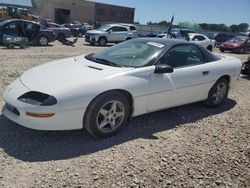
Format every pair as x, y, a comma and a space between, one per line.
180, 33
238, 44
222, 37
60, 31
76, 29
202, 40
35, 32
87, 26
110, 33
162, 35
130, 79
132, 28
245, 70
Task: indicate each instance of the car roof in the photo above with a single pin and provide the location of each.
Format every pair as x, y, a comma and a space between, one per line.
14, 20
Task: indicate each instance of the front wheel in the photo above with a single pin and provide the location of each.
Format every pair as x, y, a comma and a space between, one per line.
107, 114
218, 93
102, 41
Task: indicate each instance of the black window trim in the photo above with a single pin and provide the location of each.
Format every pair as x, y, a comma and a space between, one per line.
205, 60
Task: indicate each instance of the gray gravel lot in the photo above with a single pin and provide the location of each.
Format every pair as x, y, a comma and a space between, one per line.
188, 146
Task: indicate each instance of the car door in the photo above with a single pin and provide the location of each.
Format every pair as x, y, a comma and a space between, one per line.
113, 34
199, 39
190, 81
31, 30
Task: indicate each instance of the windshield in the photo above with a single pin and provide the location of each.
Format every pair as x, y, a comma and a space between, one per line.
104, 28
134, 53
237, 39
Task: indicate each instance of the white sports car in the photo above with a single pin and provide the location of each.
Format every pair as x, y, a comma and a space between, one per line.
100, 92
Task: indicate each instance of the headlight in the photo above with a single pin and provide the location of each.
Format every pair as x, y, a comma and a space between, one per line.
38, 98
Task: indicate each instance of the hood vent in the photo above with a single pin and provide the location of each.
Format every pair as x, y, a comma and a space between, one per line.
96, 68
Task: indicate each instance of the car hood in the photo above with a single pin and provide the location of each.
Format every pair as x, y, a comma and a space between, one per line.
231, 43
62, 75
95, 32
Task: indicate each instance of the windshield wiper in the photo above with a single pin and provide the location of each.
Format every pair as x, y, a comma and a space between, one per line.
105, 62
102, 61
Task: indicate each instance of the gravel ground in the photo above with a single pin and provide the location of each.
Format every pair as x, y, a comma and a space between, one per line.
188, 146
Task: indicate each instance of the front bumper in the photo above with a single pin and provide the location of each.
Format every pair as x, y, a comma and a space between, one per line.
231, 49
91, 39
15, 110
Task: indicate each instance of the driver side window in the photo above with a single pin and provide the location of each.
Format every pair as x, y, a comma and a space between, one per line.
182, 56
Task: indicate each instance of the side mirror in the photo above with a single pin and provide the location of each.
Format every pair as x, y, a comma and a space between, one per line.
163, 68
110, 31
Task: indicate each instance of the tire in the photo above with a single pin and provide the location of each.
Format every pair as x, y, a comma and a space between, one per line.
102, 41
80, 34
222, 50
61, 37
242, 51
129, 38
210, 48
106, 114
218, 93
43, 41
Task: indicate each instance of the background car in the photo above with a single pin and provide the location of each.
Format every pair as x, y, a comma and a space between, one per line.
180, 33
109, 33
223, 37
60, 31
35, 32
202, 40
245, 70
238, 44
76, 29
130, 79
87, 26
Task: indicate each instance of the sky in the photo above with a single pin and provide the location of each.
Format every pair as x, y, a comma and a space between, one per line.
198, 11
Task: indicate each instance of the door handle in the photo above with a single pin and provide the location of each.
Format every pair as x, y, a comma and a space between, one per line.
205, 73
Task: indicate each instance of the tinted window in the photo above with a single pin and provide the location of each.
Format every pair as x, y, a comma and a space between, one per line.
199, 38
12, 28
132, 28
123, 29
182, 55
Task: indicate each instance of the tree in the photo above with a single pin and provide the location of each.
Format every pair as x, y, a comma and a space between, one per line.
243, 27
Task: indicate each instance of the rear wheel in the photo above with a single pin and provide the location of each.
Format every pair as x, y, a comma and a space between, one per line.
43, 41
107, 114
218, 93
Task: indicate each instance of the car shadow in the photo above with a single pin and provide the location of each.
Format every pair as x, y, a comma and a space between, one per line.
38, 146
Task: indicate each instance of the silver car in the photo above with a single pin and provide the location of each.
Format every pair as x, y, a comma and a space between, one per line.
109, 33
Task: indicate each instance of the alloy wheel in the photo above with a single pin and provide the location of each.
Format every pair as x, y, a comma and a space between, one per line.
220, 93
110, 116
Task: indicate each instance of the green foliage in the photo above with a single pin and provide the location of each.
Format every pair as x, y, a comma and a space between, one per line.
190, 25
222, 27
161, 23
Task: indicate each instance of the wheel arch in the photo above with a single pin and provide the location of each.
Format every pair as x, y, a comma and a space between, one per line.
227, 77
124, 92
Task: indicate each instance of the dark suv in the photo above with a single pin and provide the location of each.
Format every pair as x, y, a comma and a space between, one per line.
223, 37
35, 32
76, 29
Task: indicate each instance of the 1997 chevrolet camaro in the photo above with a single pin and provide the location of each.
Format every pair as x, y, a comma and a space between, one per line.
100, 92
